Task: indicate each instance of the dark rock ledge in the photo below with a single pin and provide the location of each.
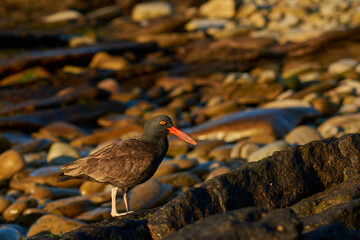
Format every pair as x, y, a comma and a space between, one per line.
305, 192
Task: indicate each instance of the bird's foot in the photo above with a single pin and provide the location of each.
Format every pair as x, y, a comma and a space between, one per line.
115, 214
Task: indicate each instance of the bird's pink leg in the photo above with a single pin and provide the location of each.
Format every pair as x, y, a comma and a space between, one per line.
126, 200
114, 213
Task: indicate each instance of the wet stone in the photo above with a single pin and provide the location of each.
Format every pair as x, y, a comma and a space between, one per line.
221, 153
151, 10
267, 150
183, 164
9, 234
35, 145
11, 162
302, 135
69, 207
147, 195
218, 9
54, 224
346, 124
166, 168
17, 208
4, 203
4, 144
59, 130
247, 149
87, 188
62, 16
342, 66
261, 125
110, 85
218, 171
62, 153
203, 148
97, 214
103, 60
180, 179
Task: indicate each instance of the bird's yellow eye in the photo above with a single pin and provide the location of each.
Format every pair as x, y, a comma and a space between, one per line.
162, 123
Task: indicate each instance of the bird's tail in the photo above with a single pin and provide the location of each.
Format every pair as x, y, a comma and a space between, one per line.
71, 170
63, 177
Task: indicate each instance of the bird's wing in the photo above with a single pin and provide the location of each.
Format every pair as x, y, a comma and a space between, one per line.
122, 159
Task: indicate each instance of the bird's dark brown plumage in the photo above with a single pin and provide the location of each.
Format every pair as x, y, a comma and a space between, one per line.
125, 164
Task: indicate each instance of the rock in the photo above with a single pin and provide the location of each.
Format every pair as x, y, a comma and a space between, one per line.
147, 195
291, 83
103, 60
17, 208
59, 130
343, 65
180, 179
286, 103
221, 153
221, 108
203, 148
43, 192
246, 9
183, 163
71, 69
110, 85
247, 223
258, 20
346, 212
232, 192
334, 125
9, 234
27, 180
5, 144
267, 76
205, 24
333, 196
62, 16
217, 171
166, 168
247, 149
139, 109
108, 135
91, 187
54, 224
26, 76
295, 68
336, 230
95, 215
253, 93
267, 150
171, 39
36, 145
133, 226
4, 203
218, 9
263, 125
324, 106
151, 10
81, 41
302, 135
61, 153
11, 162
69, 207
71, 113
177, 147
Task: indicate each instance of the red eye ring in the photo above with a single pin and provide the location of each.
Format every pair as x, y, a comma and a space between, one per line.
162, 123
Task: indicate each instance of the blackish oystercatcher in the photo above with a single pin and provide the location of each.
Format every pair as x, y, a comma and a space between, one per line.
127, 163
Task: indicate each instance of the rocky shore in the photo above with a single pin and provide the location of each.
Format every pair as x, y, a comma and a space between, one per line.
269, 90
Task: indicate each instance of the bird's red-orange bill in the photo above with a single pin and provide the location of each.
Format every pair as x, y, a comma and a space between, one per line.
181, 135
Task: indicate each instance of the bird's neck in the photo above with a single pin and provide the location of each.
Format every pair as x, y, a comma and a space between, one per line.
154, 140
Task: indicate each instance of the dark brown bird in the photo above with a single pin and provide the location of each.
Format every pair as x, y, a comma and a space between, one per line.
127, 163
